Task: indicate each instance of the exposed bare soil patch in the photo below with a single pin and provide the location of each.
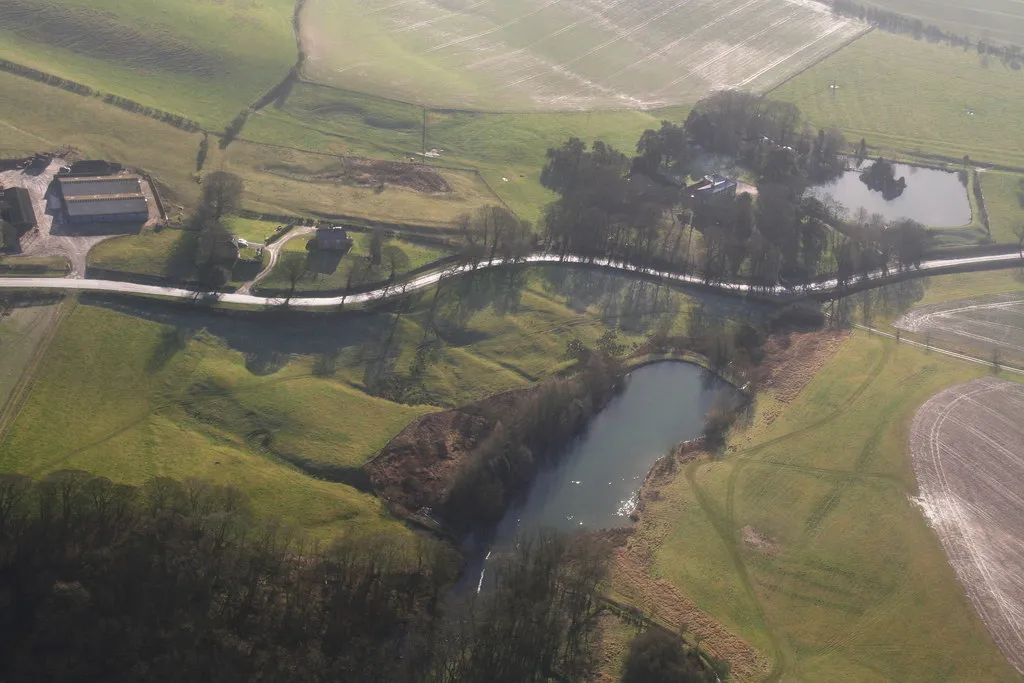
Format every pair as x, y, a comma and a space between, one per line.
967, 446
988, 323
758, 541
362, 172
792, 360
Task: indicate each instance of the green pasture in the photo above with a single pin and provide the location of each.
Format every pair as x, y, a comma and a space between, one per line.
909, 97
536, 55
857, 586
157, 253
251, 230
507, 148
202, 60
1004, 200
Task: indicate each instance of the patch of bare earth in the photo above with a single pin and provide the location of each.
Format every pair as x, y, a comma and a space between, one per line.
758, 541
792, 360
967, 448
363, 172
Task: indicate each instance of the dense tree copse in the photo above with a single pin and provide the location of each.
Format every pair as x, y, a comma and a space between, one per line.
176, 581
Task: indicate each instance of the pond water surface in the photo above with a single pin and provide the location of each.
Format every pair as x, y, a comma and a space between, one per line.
933, 198
594, 484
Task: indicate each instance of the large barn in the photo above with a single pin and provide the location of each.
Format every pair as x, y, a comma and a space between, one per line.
106, 199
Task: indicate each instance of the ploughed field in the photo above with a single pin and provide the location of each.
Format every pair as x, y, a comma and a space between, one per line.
967, 445
990, 324
562, 54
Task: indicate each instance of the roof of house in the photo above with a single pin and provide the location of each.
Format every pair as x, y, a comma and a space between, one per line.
334, 233
105, 205
107, 185
19, 206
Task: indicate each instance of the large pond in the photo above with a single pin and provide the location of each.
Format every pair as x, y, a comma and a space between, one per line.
934, 198
594, 484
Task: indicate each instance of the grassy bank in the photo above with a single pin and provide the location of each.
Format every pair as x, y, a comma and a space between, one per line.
932, 100
804, 541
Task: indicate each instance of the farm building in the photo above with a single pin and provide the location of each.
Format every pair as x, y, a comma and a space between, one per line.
106, 199
16, 209
711, 188
331, 239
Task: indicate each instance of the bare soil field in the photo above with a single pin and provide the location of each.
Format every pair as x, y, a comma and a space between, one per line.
967, 447
561, 55
987, 323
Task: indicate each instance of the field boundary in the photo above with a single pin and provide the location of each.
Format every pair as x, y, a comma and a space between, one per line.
21, 390
818, 61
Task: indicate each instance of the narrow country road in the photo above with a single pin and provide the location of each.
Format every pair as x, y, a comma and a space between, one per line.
275, 251
778, 293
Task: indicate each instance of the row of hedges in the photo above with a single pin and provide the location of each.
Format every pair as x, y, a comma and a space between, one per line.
170, 119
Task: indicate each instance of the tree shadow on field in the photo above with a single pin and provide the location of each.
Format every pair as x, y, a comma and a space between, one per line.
267, 340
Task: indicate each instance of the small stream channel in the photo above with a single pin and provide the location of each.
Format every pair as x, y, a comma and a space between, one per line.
595, 482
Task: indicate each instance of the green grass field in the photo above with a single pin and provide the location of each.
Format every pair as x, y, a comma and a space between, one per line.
251, 230
943, 288
538, 55
855, 586
998, 20
922, 105
1004, 200
127, 398
202, 60
158, 253
508, 149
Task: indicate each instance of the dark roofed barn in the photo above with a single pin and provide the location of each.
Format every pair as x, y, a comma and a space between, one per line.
16, 209
107, 199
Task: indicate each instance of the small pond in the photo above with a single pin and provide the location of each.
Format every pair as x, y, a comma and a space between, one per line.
933, 198
594, 484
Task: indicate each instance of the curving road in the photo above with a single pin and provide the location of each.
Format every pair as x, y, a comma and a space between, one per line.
433, 277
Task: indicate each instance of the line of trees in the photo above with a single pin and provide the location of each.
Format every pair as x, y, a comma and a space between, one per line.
175, 581
175, 120
894, 22
525, 437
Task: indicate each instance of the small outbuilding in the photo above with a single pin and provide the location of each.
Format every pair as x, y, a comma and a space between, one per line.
331, 239
16, 208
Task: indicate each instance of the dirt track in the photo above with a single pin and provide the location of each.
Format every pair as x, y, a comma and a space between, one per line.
967, 446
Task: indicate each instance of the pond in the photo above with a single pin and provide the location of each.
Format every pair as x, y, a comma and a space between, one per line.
933, 198
595, 482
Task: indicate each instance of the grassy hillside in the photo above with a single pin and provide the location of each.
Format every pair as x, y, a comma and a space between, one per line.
203, 60
911, 97
137, 392
131, 399
848, 581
